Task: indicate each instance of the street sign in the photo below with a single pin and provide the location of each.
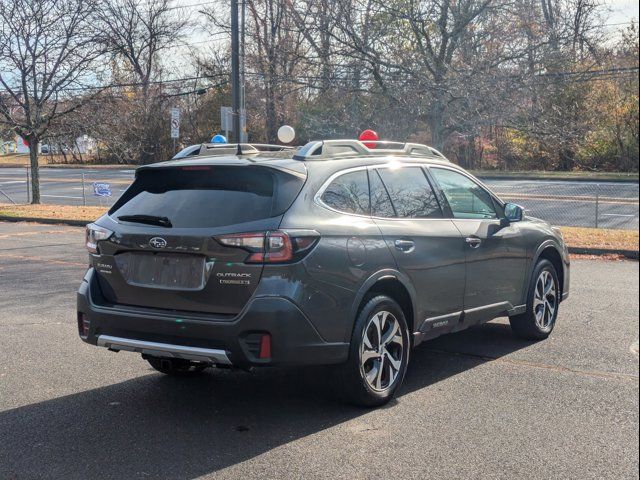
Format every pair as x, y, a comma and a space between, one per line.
226, 119
175, 122
226, 122
101, 189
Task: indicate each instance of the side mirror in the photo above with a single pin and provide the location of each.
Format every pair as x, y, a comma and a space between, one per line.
513, 212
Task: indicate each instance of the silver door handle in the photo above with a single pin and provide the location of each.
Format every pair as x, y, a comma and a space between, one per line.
405, 245
474, 242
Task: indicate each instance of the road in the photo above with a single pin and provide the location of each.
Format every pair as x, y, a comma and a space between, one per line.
559, 202
478, 404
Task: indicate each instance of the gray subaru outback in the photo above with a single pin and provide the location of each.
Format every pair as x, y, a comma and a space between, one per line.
334, 254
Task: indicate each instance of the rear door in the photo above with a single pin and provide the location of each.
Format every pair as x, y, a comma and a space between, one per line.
182, 265
427, 247
495, 250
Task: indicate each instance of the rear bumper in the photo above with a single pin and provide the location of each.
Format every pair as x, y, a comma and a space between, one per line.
294, 340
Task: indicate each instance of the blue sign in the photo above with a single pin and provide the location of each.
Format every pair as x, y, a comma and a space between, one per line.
101, 189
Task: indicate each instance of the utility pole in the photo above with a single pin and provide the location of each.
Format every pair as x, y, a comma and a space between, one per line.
243, 102
235, 71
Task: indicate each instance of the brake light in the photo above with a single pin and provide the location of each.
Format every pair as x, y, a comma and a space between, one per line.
195, 168
95, 234
270, 247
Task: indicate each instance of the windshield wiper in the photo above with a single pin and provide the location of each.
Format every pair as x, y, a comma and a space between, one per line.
147, 220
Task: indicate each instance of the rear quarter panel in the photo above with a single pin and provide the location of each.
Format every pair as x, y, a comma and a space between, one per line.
325, 284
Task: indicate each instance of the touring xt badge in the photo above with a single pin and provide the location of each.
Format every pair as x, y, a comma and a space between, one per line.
158, 242
234, 278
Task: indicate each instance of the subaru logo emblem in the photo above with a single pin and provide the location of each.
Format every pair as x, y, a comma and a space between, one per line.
158, 242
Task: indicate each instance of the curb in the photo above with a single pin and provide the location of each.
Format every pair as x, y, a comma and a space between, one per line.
543, 178
45, 221
631, 254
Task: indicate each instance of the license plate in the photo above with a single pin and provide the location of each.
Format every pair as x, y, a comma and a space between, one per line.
162, 270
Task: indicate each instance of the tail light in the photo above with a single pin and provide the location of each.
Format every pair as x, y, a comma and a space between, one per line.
271, 247
93, 235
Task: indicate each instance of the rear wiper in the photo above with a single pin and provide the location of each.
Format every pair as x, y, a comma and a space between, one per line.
147, 220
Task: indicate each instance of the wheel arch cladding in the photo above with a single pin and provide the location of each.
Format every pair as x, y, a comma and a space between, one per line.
551, 254
392, 287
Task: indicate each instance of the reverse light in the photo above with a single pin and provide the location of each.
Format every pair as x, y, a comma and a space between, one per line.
95, 234
270, 247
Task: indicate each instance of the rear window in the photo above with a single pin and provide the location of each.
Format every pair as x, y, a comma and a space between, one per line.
211, 196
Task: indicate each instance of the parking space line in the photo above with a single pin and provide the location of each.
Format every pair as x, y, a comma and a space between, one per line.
41, 232
41, 260
29, 247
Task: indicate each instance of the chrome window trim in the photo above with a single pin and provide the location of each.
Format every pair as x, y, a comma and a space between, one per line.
317, 199
318, 196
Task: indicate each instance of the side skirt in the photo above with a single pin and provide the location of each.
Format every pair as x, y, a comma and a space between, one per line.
455, 322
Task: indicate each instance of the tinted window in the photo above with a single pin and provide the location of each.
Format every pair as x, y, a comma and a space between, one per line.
466, 198
380, 202
196, 197
349, 193
410, 192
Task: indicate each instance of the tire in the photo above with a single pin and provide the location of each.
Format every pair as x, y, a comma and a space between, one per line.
176, 367
543, 302
375, 370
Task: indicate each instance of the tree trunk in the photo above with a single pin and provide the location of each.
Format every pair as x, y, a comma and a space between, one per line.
436, 124
35, 172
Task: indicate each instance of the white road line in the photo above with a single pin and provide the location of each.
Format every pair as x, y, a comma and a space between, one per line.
59, 196
13, 181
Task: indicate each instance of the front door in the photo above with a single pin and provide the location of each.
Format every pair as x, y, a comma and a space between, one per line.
427, 247
495, 250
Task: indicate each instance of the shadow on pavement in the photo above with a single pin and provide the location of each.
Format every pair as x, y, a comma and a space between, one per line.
156, 426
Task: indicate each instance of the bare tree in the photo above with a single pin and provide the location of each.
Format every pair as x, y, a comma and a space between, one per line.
47, 50
137, 33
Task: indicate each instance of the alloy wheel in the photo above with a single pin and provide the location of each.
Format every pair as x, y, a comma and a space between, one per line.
381, 351
545, 301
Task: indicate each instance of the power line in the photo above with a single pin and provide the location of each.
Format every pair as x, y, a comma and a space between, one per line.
139, 84
610, 72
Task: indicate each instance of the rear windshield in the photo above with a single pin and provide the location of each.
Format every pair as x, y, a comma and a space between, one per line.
211, 196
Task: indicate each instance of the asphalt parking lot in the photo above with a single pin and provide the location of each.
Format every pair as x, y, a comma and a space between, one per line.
478, 404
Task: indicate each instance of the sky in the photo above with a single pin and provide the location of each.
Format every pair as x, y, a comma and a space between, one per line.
622, 10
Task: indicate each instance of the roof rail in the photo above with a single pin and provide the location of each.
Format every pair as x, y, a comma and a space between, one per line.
330, 149
247, 148
226, 149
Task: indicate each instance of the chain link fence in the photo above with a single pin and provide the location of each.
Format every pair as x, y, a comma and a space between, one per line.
574, 204
562, 203
66, 187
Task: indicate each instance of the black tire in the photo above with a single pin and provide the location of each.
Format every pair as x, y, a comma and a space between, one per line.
175, 366
354, 373
531, 325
